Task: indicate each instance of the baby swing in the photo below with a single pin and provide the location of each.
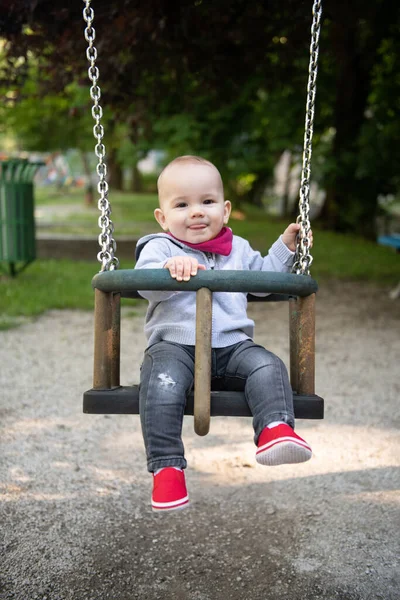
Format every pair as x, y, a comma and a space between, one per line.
107, 395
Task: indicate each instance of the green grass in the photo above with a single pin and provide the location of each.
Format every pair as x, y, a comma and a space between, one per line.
50, 195
336, 256
47, 285
131, 213
51, 284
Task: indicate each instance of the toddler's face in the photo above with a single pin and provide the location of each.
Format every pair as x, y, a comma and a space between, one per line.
192, 205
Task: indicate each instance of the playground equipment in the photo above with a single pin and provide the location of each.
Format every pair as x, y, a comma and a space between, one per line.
111, 284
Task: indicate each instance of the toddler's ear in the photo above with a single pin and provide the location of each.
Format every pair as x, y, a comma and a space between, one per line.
160, 218
227, 211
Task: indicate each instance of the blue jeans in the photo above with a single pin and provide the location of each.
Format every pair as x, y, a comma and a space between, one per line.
167, 375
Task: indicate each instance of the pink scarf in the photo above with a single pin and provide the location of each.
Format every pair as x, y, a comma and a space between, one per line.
221, 244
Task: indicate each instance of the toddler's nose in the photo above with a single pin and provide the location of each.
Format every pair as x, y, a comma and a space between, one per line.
197, 211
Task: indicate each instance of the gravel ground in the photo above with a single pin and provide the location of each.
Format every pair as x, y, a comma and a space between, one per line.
75, 514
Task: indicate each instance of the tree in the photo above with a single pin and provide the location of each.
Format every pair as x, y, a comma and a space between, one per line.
174, 73
228, 79
46, 122
56, 122
365, 40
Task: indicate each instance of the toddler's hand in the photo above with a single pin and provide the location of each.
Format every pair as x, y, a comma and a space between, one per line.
289, 236
182, 268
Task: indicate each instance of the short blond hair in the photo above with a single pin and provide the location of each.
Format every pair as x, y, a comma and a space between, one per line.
188, 159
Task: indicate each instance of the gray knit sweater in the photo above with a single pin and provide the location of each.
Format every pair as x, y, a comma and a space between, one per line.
171, 316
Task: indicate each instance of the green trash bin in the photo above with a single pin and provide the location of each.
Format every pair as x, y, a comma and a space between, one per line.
17, 220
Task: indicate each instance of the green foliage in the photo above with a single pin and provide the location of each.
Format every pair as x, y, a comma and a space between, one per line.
227, 80
129, 153
379, 144
46, 122
244, 137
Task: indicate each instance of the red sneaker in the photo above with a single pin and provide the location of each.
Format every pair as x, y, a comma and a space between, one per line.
280, 446
169, 490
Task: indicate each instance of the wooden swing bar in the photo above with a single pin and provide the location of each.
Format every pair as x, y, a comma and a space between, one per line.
109, 397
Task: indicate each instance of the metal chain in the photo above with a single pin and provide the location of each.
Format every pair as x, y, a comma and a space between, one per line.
108, 246
303, 258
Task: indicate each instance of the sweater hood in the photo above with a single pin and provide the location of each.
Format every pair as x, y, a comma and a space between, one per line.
151, 236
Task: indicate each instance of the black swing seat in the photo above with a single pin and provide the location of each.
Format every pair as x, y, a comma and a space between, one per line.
125, 400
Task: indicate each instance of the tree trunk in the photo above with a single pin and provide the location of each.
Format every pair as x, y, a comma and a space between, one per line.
286, 189
136, 180
256, 193
115, 173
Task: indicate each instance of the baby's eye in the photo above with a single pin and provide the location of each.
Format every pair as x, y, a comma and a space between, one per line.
209, 201
181, 205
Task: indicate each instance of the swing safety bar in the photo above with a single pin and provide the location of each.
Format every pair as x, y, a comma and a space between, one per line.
107, 396
130, 280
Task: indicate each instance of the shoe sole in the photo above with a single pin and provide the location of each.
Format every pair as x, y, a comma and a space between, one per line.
169, 506
283, 452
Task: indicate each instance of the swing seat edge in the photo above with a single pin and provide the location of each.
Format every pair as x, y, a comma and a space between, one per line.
125, 400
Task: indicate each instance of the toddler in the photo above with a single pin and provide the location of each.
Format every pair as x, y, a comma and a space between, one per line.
194, 213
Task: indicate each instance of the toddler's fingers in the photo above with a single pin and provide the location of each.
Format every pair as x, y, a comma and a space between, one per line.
187, 268
196, 267
170, 265
179, 270
193, 267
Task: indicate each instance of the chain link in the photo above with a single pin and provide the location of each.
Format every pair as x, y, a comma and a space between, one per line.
108, 246
303, 258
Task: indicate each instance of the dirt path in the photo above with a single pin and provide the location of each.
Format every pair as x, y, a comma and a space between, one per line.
74, 512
